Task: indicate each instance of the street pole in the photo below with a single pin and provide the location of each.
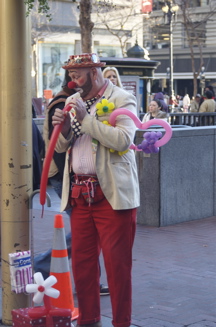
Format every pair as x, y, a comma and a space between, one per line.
170, 10
15, 143
170, 17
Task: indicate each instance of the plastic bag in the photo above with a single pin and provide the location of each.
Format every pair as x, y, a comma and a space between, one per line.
20, 270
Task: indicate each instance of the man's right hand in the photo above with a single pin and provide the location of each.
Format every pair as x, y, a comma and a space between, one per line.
62, 117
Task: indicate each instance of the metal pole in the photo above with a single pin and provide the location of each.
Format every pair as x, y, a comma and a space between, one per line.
170, 19
15, 143
171, 91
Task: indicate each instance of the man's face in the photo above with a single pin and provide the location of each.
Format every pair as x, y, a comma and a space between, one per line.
82, 77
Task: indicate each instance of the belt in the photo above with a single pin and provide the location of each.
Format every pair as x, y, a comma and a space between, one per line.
84, 179
90, 181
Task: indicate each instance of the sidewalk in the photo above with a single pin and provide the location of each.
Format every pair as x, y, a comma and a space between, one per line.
174, 271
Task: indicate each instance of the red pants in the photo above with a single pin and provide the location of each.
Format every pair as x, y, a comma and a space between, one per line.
97, 227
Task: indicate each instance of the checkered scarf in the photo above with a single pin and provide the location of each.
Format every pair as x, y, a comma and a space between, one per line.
76, 127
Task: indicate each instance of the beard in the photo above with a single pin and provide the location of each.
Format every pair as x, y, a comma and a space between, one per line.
87, 87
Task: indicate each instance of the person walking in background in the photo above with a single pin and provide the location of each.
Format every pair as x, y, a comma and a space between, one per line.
105, 190
186, 103
113, 75
195, 104
160, 96
210, 88
154, 111
208, 105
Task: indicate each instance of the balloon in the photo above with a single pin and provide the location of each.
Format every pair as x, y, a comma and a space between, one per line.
50, 281
52, 292
38, 297
167, 136
38, 278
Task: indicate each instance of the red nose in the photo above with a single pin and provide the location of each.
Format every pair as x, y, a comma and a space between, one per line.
72, 85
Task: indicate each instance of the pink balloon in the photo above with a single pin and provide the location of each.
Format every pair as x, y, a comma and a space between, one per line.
167, 136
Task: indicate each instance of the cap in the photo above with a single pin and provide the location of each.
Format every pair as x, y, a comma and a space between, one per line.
83, 60
198, 95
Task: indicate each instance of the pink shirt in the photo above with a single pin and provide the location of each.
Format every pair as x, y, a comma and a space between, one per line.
83, 158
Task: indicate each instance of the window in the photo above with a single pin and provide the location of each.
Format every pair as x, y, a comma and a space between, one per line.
194, 3
197, 34
157, 5
157, 38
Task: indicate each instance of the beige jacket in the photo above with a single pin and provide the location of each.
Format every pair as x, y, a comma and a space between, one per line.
160, 115
208, 105
117, 174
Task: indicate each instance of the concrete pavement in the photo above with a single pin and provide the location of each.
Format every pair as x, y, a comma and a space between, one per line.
174, 271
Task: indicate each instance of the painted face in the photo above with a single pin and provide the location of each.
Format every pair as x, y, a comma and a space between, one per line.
111, 75
82, 77
153, 107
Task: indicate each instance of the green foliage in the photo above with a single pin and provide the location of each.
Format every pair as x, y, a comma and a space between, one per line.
43, 7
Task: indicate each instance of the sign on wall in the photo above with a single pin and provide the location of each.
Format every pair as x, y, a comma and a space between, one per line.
131, 84
50, 72
146, 6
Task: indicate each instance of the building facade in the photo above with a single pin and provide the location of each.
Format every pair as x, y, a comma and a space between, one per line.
118, 24
194, 27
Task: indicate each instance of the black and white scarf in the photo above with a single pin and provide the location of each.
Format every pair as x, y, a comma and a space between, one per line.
76, 126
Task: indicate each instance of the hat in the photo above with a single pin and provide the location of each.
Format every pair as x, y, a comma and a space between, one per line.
83, 60
198, 95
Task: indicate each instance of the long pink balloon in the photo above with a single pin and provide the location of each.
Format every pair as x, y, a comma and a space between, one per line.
48, 158
167, 136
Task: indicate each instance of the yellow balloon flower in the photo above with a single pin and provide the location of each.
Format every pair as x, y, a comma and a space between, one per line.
104, 107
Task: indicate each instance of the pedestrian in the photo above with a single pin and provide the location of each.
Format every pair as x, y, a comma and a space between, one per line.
154, 111
208, 105
160, 96
210, 88
105, 189
113, 75
43, 260
195, 104
186, 103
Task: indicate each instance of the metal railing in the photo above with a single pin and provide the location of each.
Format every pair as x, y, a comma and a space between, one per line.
193, 118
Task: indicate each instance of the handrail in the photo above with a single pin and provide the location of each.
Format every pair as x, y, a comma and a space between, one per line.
193, 118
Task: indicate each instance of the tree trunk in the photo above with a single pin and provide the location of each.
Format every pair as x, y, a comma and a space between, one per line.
86, 25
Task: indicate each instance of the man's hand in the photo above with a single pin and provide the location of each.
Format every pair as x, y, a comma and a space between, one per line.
59, 117
79, 106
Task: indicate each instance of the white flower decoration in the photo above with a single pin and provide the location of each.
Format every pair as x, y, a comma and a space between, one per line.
42, 287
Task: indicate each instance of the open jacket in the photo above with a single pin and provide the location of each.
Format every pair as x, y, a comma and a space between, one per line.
117, 174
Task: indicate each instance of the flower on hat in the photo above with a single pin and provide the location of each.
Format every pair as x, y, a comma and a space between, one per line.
42, 287
104, 107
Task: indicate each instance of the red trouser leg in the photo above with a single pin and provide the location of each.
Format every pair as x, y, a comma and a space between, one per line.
117, 231
85, 253
94, 226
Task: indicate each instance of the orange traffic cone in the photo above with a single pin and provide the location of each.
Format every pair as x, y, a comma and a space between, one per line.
60, 269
